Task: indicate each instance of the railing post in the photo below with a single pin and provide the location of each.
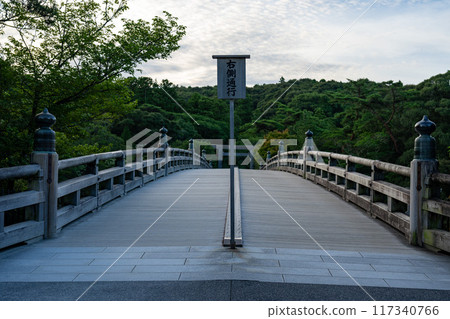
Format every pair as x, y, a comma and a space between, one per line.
331, 162
167, 159
219, 149
376, 175
308, 145
191, 148
44, 154
280, 151
2, 222
92, 168
163, 143
154, 165
139, 165
422, 166
203, 157
349, 167
267, 158
120, 162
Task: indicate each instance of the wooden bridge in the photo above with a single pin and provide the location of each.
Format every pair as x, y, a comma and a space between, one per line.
306, 217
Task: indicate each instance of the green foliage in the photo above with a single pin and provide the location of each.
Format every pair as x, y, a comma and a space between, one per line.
273, 149
14, 10
68, 56
362, 117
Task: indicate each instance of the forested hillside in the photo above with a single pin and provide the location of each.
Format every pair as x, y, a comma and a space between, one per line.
361, 117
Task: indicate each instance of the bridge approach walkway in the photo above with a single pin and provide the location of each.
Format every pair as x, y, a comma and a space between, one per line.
294, 232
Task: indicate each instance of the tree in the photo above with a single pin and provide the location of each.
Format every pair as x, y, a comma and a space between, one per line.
69, 58
273, 149
13, 10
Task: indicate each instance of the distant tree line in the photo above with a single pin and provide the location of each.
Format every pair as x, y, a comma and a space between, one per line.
68, 57
358, 117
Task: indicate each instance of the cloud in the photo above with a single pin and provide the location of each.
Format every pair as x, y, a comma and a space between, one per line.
400, 40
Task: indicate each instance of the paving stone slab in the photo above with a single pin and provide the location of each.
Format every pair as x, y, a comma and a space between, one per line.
318, 252
82, 269
137, 249
412, 254
37, 277
208, 248
65, 249
194, 254
9, 269
429, 263
379, 261
40, 262
324, 265
440, 277
187, 268
277, 256
29, 255
97, 255
379, 274
130, 261
364, 282
281, 270
250, 249
129, 277
418, 269
318, 280
233, 261
419, 284
231, 276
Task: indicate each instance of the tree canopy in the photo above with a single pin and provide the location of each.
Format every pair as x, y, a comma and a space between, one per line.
69, 57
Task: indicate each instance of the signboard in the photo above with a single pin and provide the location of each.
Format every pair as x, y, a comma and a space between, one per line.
231, 86
231, 76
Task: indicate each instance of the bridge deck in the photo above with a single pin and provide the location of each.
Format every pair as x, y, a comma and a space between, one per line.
184, 244
332, 222
196, 219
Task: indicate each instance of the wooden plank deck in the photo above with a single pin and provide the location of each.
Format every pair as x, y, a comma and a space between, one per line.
197, 219
334, 223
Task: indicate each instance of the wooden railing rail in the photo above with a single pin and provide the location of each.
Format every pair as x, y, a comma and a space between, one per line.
55, 198
367, 188
86, 193
436, 213
30, 203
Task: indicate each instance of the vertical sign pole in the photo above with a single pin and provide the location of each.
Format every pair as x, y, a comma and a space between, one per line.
232, 162
231, 86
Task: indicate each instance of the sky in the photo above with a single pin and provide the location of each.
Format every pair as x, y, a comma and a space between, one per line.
399, 40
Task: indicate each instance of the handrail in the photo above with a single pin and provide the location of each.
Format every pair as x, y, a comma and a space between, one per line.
440, 178
76, 161
19, 171
77, 196
381, 199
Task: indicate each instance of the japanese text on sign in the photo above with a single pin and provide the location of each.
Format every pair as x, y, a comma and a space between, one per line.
231, 78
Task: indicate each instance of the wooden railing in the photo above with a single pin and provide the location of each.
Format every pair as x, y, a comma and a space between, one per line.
361, 181
32, 201
104, 177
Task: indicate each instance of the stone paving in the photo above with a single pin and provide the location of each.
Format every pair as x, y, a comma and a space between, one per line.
40, 263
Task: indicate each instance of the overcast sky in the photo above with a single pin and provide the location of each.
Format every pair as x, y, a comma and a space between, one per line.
406, 40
